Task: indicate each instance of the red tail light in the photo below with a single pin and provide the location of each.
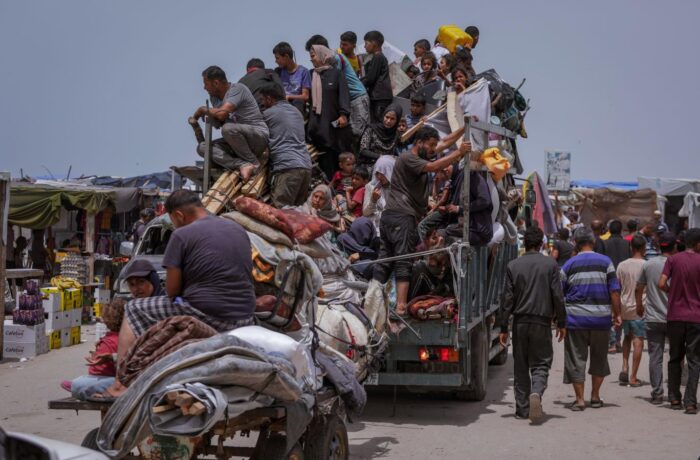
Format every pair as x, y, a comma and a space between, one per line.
442, 354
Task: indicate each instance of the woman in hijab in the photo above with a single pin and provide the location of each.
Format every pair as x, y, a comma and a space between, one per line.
328, 129
377, 190
320, 204
360, 243
142, 279
381, 138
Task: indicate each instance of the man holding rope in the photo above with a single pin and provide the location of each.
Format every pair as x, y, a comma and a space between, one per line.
408, 202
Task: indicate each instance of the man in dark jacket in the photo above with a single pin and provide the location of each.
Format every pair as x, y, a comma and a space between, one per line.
376, 78
616, 247
533, 295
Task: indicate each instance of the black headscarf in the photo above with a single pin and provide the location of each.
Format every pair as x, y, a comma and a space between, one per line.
388, 136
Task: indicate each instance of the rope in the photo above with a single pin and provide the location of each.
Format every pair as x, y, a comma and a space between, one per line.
413, 255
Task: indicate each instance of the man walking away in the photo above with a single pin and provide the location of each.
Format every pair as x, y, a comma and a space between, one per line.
563, 250
598, 228
591, 290
628, 273
653, 310
616, 247
290, 163
533, 296
681, 280
243, 128
632, 225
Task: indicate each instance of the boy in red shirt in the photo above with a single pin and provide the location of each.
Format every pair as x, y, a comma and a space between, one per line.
101, 370
355, 194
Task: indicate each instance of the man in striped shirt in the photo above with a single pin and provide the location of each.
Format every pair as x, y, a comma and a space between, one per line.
592, 293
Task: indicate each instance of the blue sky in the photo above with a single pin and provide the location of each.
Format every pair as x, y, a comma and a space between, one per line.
107, 86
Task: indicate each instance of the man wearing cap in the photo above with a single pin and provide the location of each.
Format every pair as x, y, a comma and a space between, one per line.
653, 309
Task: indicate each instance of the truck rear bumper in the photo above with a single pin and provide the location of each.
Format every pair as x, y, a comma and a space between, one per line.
417, 379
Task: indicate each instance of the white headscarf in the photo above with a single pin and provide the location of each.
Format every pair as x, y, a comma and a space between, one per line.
384, 165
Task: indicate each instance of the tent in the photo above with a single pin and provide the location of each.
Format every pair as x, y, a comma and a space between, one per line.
38, 205
672, 193
595, 184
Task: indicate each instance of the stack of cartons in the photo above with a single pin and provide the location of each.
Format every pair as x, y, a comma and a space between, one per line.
102, 298
20, 341
63, 309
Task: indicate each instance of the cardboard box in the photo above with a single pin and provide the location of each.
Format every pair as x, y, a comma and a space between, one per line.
76, 317
75, 335
65, 338
23, 334
54, 340
73, 295
97, 310
18, 350
55, 321
102, 295
52, 299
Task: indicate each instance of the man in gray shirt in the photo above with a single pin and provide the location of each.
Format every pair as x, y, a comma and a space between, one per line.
290, 163
243, 128
654, 312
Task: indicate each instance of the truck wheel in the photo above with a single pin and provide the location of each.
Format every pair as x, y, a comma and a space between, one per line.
275, 448
476, 391
90, 440
327, 438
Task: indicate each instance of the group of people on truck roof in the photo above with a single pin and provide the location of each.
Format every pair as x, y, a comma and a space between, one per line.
370, 176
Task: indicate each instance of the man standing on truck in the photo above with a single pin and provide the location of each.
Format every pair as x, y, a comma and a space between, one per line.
209, 276
407, 204
592, 293
533, 295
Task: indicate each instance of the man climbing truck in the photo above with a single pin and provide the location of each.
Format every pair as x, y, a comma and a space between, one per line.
450, 347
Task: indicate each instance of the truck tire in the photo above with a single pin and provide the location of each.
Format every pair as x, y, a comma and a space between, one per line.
90, 440
327, 438
480, 345
275, 448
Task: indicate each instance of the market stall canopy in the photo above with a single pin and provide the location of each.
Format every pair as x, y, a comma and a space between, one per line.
594, 184
670, 187
38, 205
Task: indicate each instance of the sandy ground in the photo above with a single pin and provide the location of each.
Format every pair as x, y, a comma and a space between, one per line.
629, 427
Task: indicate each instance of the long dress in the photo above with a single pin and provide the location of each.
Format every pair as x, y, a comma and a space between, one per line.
336, 102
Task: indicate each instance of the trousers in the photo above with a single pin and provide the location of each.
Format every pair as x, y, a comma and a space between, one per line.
290, 187
656, 341
240, 146
399, 236
532, 358
684, 341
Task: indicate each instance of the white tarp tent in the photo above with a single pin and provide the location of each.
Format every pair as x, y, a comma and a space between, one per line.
670, 187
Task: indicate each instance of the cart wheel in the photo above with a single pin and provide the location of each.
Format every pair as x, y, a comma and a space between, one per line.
90, 440
327, 438
276, 446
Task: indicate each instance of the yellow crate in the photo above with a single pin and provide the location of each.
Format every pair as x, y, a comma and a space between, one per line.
97, 310
54, 340
75, 335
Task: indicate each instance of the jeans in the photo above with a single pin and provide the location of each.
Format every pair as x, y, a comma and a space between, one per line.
684, 341
87, 385
656, 340
532, 357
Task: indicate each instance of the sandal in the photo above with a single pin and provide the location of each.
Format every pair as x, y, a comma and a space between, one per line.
624, 378
575, 407
101, 398
636, 384
597, 404
691, 409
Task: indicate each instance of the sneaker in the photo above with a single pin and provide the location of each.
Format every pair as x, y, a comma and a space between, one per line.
67, 385
535, 407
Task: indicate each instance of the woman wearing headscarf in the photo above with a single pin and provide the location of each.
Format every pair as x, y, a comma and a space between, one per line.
381, 138
360, 243
142, 279
328, 128
321, 205
377, 190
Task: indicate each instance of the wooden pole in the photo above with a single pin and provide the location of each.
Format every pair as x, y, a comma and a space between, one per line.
90, 244
408, 134
4, 203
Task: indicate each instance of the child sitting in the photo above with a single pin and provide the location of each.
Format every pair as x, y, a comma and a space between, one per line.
355, 194
101, 370
342, 178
